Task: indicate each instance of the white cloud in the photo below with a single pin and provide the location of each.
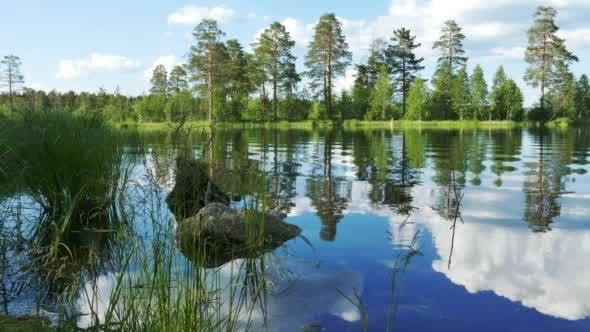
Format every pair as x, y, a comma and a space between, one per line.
498, 55
70, 69
576, 38
169, 62
491, 30
299, 32
191, 15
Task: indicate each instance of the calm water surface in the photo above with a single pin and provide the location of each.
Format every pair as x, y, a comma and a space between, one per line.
421, 230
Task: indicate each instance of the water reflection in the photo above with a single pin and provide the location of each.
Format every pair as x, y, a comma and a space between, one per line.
355, 195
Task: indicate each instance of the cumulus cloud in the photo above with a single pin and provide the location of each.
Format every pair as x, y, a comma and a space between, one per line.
169, 62
191, 15
70, 69
576, 38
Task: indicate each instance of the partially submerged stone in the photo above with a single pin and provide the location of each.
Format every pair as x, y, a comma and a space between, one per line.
218, 234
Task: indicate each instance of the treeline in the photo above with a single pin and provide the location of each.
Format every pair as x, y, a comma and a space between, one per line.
223, 82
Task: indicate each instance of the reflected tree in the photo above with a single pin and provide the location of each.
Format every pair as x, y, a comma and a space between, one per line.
329, 195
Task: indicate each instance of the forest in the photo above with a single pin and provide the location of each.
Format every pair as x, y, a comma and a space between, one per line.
223, 82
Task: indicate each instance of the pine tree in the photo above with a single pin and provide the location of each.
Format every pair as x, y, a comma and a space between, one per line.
206, 60
460, 94
566, 99
403, 62
497, 95
11, 76
236, 84
478, 90
513, 101
177, 81
450, 44
327, 57
583, 98
546, 54
361, 92
159, 81
376, 60
442, 93
274, 47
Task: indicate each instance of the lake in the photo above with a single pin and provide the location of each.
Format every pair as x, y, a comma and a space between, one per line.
422, 230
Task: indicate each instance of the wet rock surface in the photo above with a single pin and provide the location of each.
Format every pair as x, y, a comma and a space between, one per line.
218, 234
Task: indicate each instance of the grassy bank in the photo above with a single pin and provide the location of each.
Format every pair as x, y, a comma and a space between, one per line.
347, 124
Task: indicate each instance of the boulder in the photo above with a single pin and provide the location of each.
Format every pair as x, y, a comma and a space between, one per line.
218, 234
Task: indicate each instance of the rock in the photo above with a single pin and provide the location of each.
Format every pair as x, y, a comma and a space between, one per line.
218, 234
193, 189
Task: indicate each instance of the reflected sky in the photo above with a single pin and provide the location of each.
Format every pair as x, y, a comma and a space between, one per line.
365, 199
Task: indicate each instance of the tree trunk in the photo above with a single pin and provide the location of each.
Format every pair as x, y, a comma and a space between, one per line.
274, 97
404, 86
210, 84
543, 74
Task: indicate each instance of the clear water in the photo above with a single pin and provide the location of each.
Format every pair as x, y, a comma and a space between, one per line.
375, 207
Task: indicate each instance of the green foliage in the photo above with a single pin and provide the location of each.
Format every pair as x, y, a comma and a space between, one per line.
327, 57
442, 93
418, 101
403, 62
460, 96
478, 90
583, 98
274, 49
450, 44
207, 60
547, 55
381, 98
159, 81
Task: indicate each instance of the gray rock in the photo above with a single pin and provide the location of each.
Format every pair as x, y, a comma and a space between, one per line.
218, 234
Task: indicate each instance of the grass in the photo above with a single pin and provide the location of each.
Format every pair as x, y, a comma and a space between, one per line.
82, 233
347, 124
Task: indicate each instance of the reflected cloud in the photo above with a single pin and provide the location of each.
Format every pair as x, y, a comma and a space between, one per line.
290, 305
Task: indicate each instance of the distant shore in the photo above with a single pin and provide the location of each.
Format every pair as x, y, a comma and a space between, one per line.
351, 124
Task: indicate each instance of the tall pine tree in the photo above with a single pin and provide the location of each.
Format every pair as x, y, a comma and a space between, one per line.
546, 54
327, 57
403, 62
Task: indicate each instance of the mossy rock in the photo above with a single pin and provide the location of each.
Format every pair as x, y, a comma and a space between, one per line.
219, 234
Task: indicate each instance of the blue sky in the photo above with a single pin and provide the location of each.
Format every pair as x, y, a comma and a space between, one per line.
82, 45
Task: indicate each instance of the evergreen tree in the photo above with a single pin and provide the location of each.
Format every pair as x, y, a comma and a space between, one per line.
206, 61
159, 81
417, 100
177, 81
442, 93
565, 104
546, 54
11, 76
274, 48
327, 57
361, 92
460, 94
583, 98
450, 44
513, 101
478, 90
497, 96
403, 62
237, 85
376, 60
